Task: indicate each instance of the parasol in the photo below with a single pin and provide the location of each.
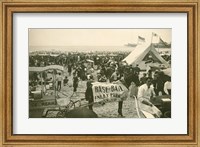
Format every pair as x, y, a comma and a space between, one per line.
88, 60
167, 71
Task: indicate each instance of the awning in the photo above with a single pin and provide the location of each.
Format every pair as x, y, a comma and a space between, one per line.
41, 69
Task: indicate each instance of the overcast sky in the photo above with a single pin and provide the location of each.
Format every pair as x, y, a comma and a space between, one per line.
93, 37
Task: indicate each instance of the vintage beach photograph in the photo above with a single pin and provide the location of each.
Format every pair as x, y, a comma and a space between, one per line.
100, 73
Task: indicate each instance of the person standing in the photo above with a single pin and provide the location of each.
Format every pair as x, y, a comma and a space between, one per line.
143, 79
137, 69
115, 76
89, 95
133, 89
75, 81
150, 72
59, 81
69, 69
167, 86
159, 82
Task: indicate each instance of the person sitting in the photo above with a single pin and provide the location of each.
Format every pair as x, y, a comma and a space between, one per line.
65, 81
146, 92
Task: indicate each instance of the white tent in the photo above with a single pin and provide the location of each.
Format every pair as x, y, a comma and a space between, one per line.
142, 53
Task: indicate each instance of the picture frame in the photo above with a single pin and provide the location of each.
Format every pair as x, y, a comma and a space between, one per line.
9, 7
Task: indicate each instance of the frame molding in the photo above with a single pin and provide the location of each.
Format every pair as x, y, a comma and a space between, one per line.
9, 7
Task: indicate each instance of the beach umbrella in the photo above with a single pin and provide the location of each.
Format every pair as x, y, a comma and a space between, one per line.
167, 71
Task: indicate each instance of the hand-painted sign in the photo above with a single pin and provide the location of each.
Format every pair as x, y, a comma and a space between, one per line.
109, 91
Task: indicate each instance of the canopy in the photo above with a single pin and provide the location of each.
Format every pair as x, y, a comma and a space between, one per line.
41, 69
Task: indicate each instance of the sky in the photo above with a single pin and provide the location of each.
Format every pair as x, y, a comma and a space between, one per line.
94, 37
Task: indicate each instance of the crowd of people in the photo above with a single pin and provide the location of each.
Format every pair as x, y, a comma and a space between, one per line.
106, 68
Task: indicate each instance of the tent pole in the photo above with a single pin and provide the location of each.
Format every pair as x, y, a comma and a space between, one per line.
151, 38
158, 46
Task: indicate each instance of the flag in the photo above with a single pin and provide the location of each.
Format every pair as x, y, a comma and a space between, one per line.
163, 42
141, 39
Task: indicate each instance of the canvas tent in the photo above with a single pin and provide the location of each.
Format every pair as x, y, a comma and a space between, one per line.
142, 54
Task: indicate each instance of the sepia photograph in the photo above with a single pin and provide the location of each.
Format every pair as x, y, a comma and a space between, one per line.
100, 73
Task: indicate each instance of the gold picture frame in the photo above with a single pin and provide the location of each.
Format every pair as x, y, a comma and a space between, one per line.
9, 7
